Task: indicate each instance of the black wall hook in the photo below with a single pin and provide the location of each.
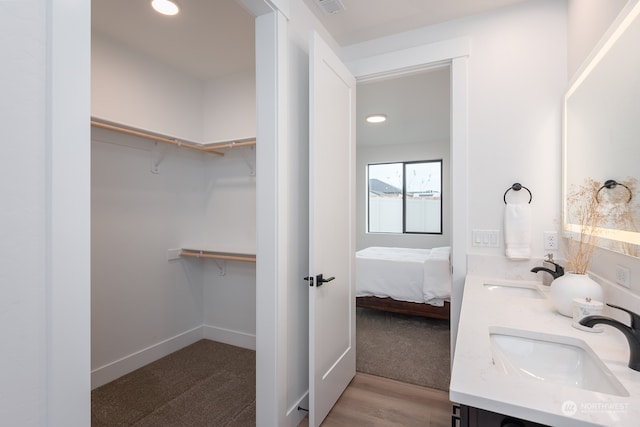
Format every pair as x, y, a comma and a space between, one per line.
516, 187
611, 184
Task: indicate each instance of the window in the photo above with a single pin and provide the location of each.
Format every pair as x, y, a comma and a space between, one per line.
405, 197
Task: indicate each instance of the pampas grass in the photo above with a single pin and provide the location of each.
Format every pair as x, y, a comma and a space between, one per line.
584, 210
591, 211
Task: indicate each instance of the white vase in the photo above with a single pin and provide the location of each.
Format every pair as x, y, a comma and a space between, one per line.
565, 288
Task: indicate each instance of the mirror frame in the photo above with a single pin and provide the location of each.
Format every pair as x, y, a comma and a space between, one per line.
628, 15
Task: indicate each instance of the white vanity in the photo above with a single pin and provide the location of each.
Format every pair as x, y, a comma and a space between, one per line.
516, 356
518, 362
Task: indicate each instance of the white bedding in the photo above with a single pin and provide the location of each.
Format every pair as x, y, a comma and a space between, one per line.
414, 275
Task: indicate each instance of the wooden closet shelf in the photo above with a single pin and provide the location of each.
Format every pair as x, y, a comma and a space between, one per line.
212, 148
230, 256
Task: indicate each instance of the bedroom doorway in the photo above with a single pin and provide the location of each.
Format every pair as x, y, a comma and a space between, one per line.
404, 61
417, 107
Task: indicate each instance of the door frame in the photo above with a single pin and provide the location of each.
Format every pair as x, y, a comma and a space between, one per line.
65, 394
454, 52
271, 220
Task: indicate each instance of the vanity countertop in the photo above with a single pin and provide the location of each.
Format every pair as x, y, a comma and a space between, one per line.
476, 382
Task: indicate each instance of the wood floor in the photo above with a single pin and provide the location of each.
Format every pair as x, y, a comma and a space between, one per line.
381, 402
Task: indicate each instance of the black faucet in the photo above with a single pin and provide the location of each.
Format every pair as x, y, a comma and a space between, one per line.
631, 332
559, 270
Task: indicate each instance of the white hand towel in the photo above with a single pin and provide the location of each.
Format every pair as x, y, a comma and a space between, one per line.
517, 230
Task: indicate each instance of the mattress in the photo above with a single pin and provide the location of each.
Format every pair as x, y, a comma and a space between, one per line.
404, 274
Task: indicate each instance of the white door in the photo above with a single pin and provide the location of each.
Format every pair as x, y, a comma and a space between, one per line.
332, 355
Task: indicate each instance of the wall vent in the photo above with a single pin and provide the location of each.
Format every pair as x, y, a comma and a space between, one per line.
330, 6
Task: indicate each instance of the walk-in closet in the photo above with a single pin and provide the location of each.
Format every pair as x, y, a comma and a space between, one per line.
173, 170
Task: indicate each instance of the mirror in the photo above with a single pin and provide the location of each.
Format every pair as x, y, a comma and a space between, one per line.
601, 135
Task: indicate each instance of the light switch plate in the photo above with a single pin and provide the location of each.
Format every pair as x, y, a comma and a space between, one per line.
486, 238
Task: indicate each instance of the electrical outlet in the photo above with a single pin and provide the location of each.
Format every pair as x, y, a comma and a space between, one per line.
550, 240
622, 276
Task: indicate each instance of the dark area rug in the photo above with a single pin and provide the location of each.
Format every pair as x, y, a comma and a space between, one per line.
411, 349
205, 384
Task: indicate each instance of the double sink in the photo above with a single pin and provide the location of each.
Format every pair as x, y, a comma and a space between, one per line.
554, 359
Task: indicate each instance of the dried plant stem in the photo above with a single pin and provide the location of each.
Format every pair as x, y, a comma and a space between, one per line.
584, 209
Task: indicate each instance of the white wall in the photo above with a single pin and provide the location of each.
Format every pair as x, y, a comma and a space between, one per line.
229, 300
588, 20
44, 231
517, 75
22, 233
399, 153
229, 111
230, 202
138, 91
517, 78
138, 299
131, 89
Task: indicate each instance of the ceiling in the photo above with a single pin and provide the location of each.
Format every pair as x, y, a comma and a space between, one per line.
417, 107
363, 20
206, 30
213, 38
194, 41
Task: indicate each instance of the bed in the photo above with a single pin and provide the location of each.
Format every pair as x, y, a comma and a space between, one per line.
404, 280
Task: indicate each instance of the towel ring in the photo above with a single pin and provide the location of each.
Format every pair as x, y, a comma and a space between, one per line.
610, 184
517, 187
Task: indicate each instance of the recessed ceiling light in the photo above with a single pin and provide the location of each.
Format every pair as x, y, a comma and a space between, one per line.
165, 7
376, 118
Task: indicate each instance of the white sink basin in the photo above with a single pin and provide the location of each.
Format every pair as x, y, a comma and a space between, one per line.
527, 290
552, 358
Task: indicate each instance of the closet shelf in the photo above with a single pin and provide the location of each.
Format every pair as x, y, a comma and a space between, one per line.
211, 148
228, 256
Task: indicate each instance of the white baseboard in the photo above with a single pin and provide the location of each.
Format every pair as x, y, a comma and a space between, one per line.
120, 367
294, 415
124, 365
228, 336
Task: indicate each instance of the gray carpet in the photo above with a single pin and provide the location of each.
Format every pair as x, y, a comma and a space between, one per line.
213, 384
205, 384
410, 349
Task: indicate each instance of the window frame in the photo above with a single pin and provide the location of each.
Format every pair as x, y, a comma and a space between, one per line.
404, 198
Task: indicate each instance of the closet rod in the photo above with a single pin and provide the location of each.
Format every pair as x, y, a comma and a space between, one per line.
230, 257
234, 144
153, 137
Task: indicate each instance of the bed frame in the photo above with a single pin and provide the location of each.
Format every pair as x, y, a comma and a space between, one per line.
404, 307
